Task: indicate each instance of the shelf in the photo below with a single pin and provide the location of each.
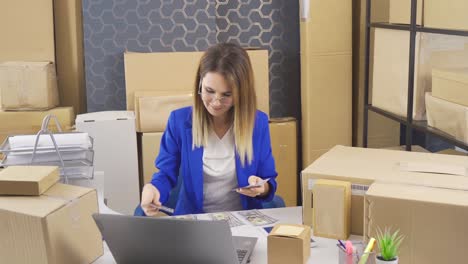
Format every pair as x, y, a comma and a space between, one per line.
387, 114
423, 127
410, 124
423, 29
420, 126
390, 26
442, 31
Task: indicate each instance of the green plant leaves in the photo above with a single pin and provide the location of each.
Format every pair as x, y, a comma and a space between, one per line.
389, 243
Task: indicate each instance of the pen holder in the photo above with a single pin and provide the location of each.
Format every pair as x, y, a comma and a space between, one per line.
344, 258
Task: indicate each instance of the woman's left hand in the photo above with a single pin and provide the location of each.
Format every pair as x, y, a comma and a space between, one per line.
257, 191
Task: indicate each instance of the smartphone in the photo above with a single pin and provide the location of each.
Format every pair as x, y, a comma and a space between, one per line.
259, 184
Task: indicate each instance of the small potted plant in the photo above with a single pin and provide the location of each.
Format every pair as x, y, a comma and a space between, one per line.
389, 246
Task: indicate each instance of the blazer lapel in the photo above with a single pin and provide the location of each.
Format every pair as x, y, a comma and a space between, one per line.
195, 166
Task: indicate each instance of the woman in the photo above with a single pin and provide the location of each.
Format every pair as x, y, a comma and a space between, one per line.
218, 145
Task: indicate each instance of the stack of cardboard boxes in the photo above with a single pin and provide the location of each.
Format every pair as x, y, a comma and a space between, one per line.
154, 88
28, 80
44, 221
424, 195
326, 76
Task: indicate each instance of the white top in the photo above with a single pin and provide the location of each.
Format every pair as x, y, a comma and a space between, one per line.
219, 174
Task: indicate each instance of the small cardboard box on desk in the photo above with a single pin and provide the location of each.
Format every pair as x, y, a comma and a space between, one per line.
53, 228
288, 243
27, 180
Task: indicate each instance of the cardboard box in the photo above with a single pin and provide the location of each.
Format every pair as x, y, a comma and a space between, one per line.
362, 166
283, 133
27, 31
162, 71
432, 221
28, 85
139, 94
28, 180
322, 89
150, 150
323, 55
332, 209
29, 122
400, 12
390, 73
56, 227
115, 155
451, 84
288, 243
69, 52
448, 117
154, 111
338, 16
449, 14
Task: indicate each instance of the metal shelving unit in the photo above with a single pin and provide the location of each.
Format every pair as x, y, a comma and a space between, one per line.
408, 120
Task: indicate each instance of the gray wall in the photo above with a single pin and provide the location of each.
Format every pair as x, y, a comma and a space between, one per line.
113, 26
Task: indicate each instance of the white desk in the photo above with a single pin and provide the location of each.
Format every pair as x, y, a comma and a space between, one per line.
325, 251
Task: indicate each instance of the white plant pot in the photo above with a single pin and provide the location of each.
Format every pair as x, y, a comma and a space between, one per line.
378, 261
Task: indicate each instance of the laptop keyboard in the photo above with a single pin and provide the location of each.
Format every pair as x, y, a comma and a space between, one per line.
241, 253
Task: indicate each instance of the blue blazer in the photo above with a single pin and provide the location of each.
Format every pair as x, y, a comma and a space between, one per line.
177, 158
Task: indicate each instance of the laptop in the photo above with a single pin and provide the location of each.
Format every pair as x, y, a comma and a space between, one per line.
133, 239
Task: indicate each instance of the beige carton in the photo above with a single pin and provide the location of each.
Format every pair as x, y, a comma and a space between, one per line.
27, 30
29, 122
326, 76
451, 84
449, 117
362, 167
432, 220
400, 12
154, 111
28, 180
448, 14
56, 227
28, 85
68, 23
288, 243
283, 133
150, 151
332, 209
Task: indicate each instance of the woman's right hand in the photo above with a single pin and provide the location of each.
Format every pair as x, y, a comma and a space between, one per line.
150, 200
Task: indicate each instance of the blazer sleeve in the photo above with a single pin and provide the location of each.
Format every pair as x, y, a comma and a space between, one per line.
168, 160
266, 168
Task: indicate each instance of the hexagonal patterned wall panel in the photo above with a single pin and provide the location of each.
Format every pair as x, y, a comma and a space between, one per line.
111, 27
272, 25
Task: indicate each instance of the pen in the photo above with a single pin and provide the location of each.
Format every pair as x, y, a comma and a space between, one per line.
341, 243
163, 208
369, 248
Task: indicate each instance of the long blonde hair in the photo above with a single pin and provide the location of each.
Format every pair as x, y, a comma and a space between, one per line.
233, 63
